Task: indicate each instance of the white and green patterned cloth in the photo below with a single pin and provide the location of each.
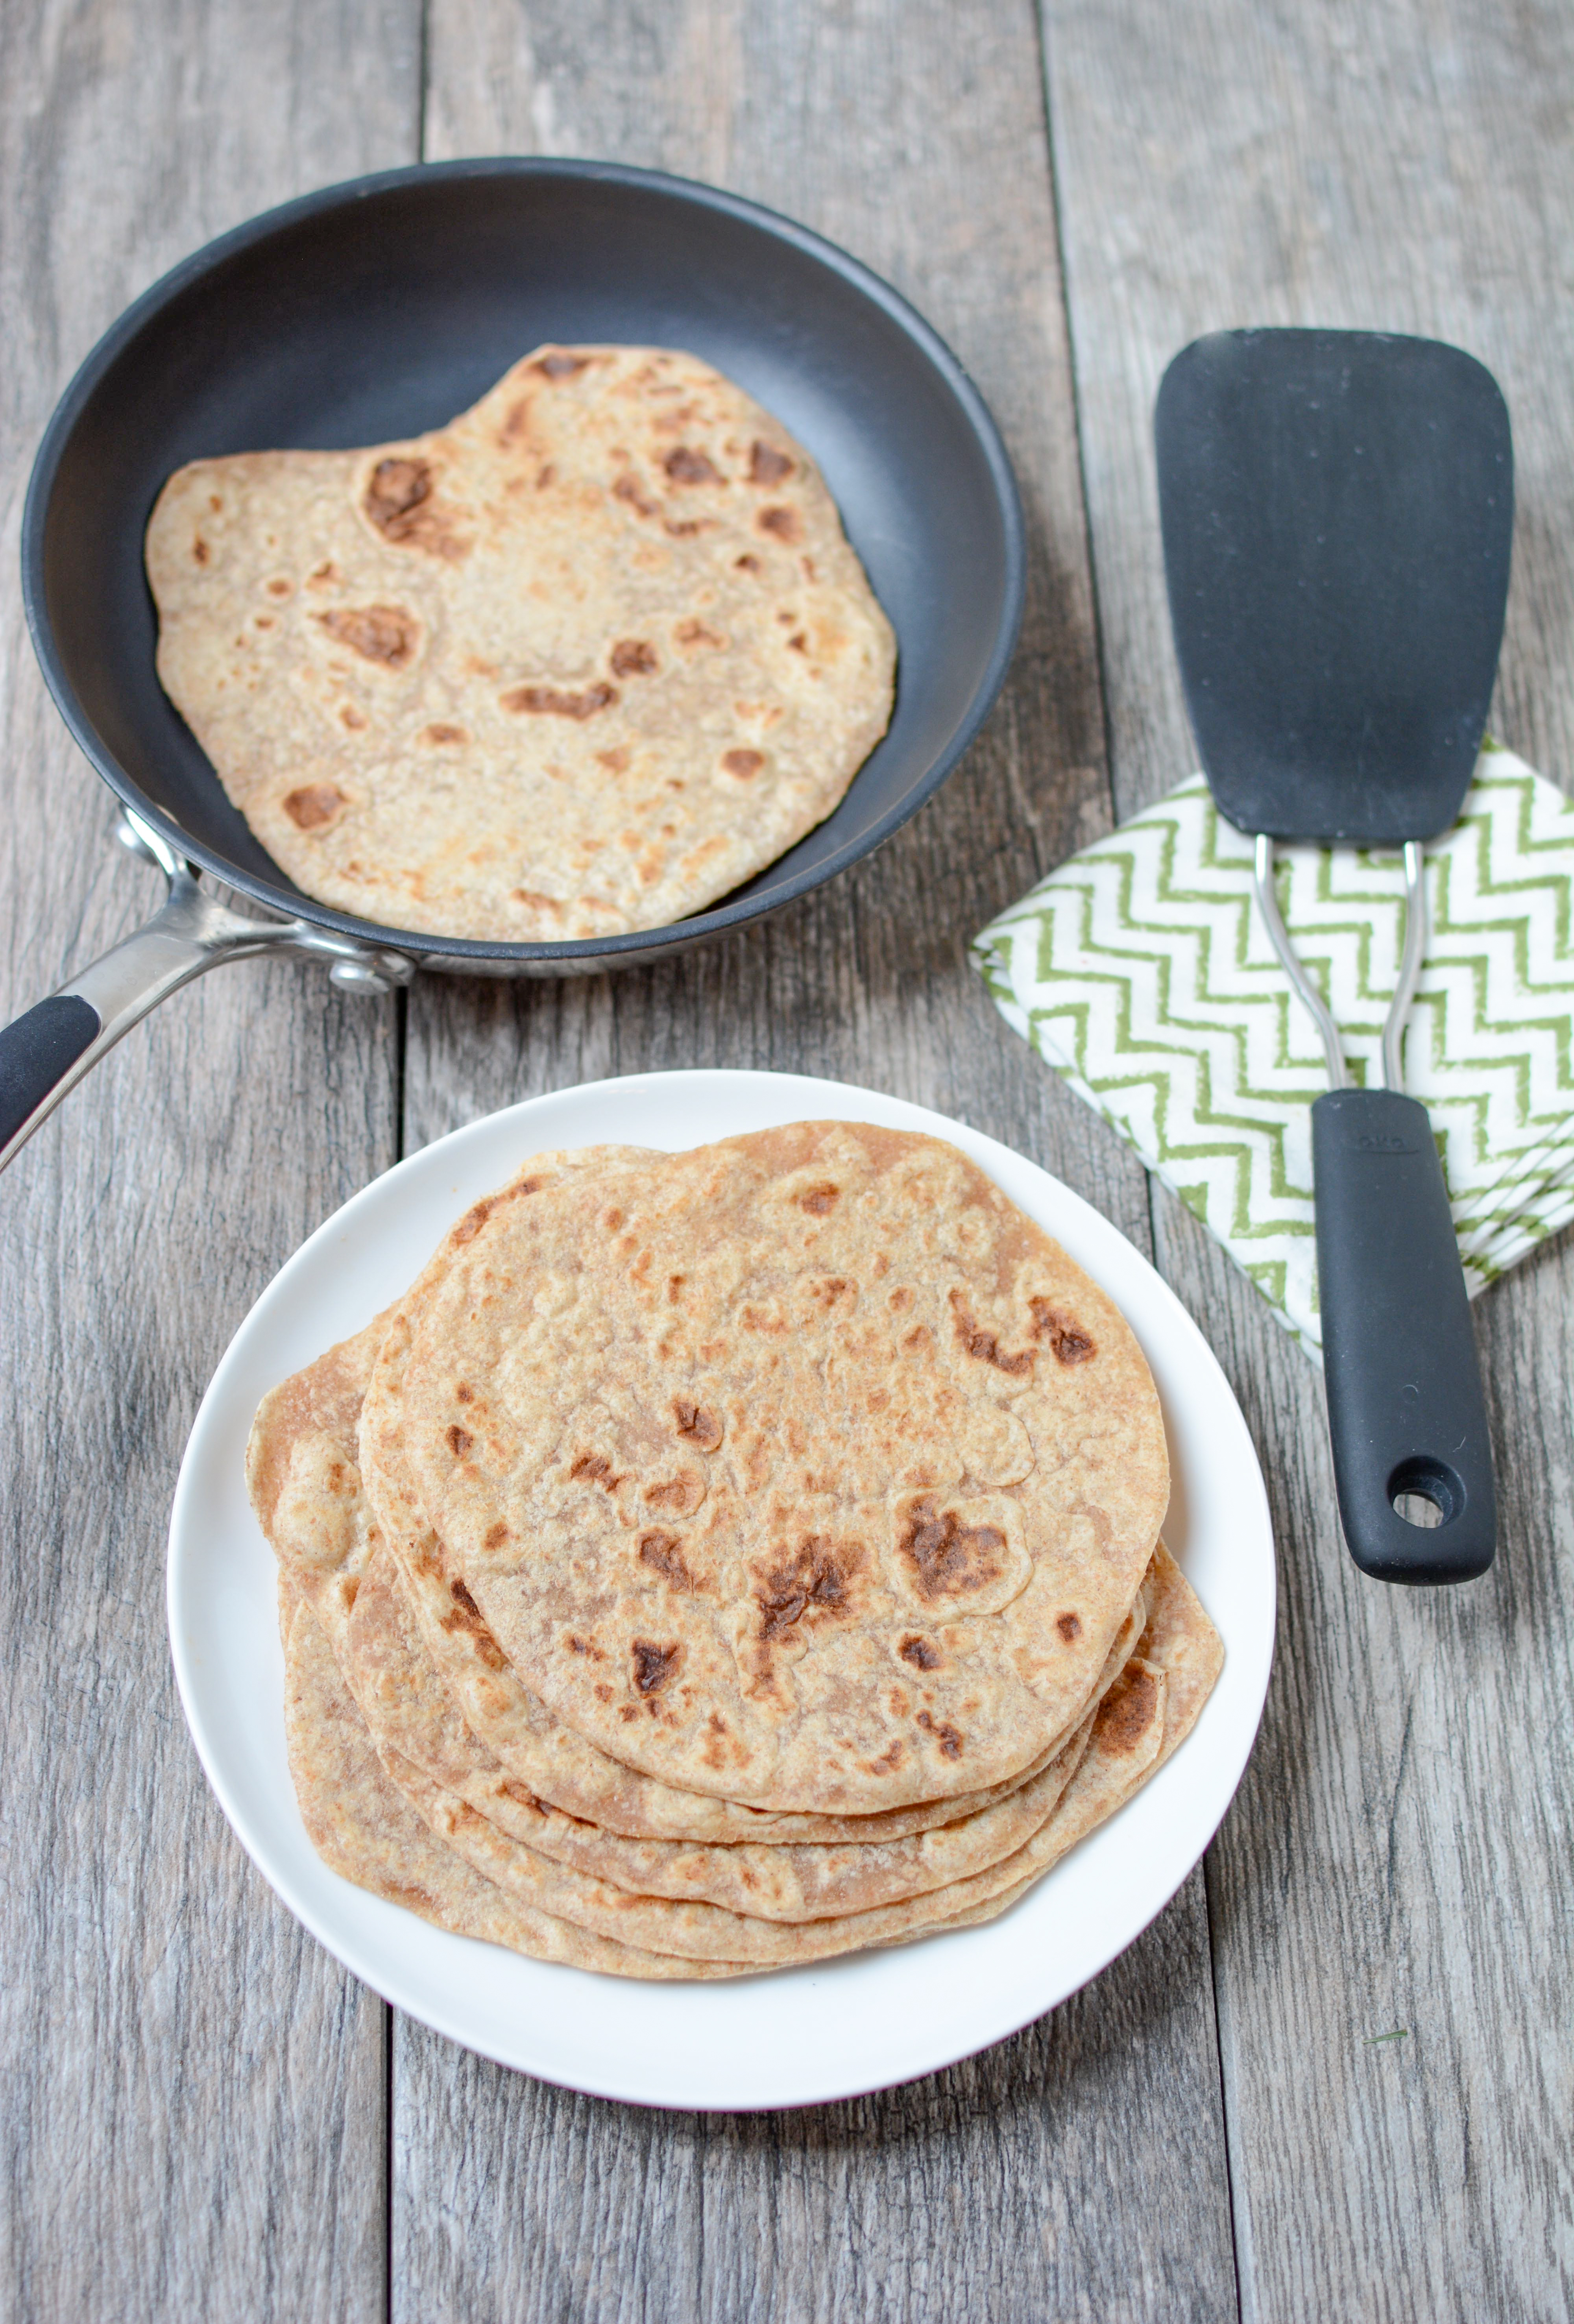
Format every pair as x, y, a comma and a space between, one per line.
1141, 970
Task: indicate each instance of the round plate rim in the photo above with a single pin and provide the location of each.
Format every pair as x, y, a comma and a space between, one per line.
743, 2081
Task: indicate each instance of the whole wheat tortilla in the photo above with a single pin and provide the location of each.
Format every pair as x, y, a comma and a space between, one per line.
1118, 1749
365, 1827
305, 1479
579, 662
303, 1476
803, 1470
1111, 1754
536, 1748
414, 1722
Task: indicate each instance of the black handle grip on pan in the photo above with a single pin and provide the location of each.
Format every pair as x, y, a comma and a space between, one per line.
1405, 1412
37, 1051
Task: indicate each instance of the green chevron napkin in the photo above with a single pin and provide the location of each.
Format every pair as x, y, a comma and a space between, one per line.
1142, 971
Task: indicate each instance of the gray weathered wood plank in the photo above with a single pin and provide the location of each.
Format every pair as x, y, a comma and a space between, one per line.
192, 2116
1398, 1857
1078, 2170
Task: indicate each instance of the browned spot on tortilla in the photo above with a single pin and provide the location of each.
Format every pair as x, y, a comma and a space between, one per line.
314, 804
922, 1653
214, 503
767, 465
948, 1559
560, 366
633, 658
813, 1582
280, 587
615, 761
745, 564
1071, 1344
351, 718
537, 901
819, 1199
798, 643
685, 466
518, 1794
598, 1468
680, 1495
1126, 1711
697, 1425
396, 491
695, 633
653, 1665
387, 634
1068, 1626
663, 1552
495, 1536
465, 1393
783, 524
459, 1441
985, 1345
441, 732
465, 1615
948, 1736
627, 488
550, 701
199, 550
743, 764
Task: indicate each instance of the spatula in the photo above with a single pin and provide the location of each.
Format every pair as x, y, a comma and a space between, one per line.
1336, 508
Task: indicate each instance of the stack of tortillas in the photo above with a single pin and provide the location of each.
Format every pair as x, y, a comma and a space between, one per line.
727, 1559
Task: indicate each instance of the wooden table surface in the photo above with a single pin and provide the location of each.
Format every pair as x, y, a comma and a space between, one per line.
1333, 2080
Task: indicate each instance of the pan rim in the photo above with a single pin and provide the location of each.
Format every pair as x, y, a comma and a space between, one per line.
422, 944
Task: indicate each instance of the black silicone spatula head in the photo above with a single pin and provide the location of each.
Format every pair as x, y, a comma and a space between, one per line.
1337, 507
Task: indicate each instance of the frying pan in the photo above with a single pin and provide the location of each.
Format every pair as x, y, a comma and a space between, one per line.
378, 310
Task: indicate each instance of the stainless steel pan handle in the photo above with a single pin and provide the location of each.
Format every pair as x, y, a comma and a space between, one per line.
49, 1048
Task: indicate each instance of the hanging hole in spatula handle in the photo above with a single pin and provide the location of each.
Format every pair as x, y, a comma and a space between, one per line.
1406, 1417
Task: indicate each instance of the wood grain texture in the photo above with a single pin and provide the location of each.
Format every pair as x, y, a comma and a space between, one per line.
193, 2106
1011, 2187
1398, 1863
1079, 2170
193, 2110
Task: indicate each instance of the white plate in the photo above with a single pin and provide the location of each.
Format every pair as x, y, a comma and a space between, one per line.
795, 2036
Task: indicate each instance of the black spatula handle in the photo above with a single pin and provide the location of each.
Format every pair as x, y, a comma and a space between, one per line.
1405, 1412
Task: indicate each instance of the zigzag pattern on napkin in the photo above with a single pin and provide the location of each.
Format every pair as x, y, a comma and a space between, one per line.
1141, 970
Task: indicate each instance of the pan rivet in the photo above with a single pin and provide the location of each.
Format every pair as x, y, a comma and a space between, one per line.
359, 976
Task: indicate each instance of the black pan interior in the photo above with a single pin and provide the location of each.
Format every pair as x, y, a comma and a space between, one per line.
382, 308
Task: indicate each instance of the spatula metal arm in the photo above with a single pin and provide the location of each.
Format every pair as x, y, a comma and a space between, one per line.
1405, 1412
1311, 1000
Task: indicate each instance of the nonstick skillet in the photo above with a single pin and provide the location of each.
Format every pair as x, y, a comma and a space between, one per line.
378, 310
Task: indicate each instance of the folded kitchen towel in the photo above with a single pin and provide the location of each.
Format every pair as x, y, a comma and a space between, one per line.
1142, 971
